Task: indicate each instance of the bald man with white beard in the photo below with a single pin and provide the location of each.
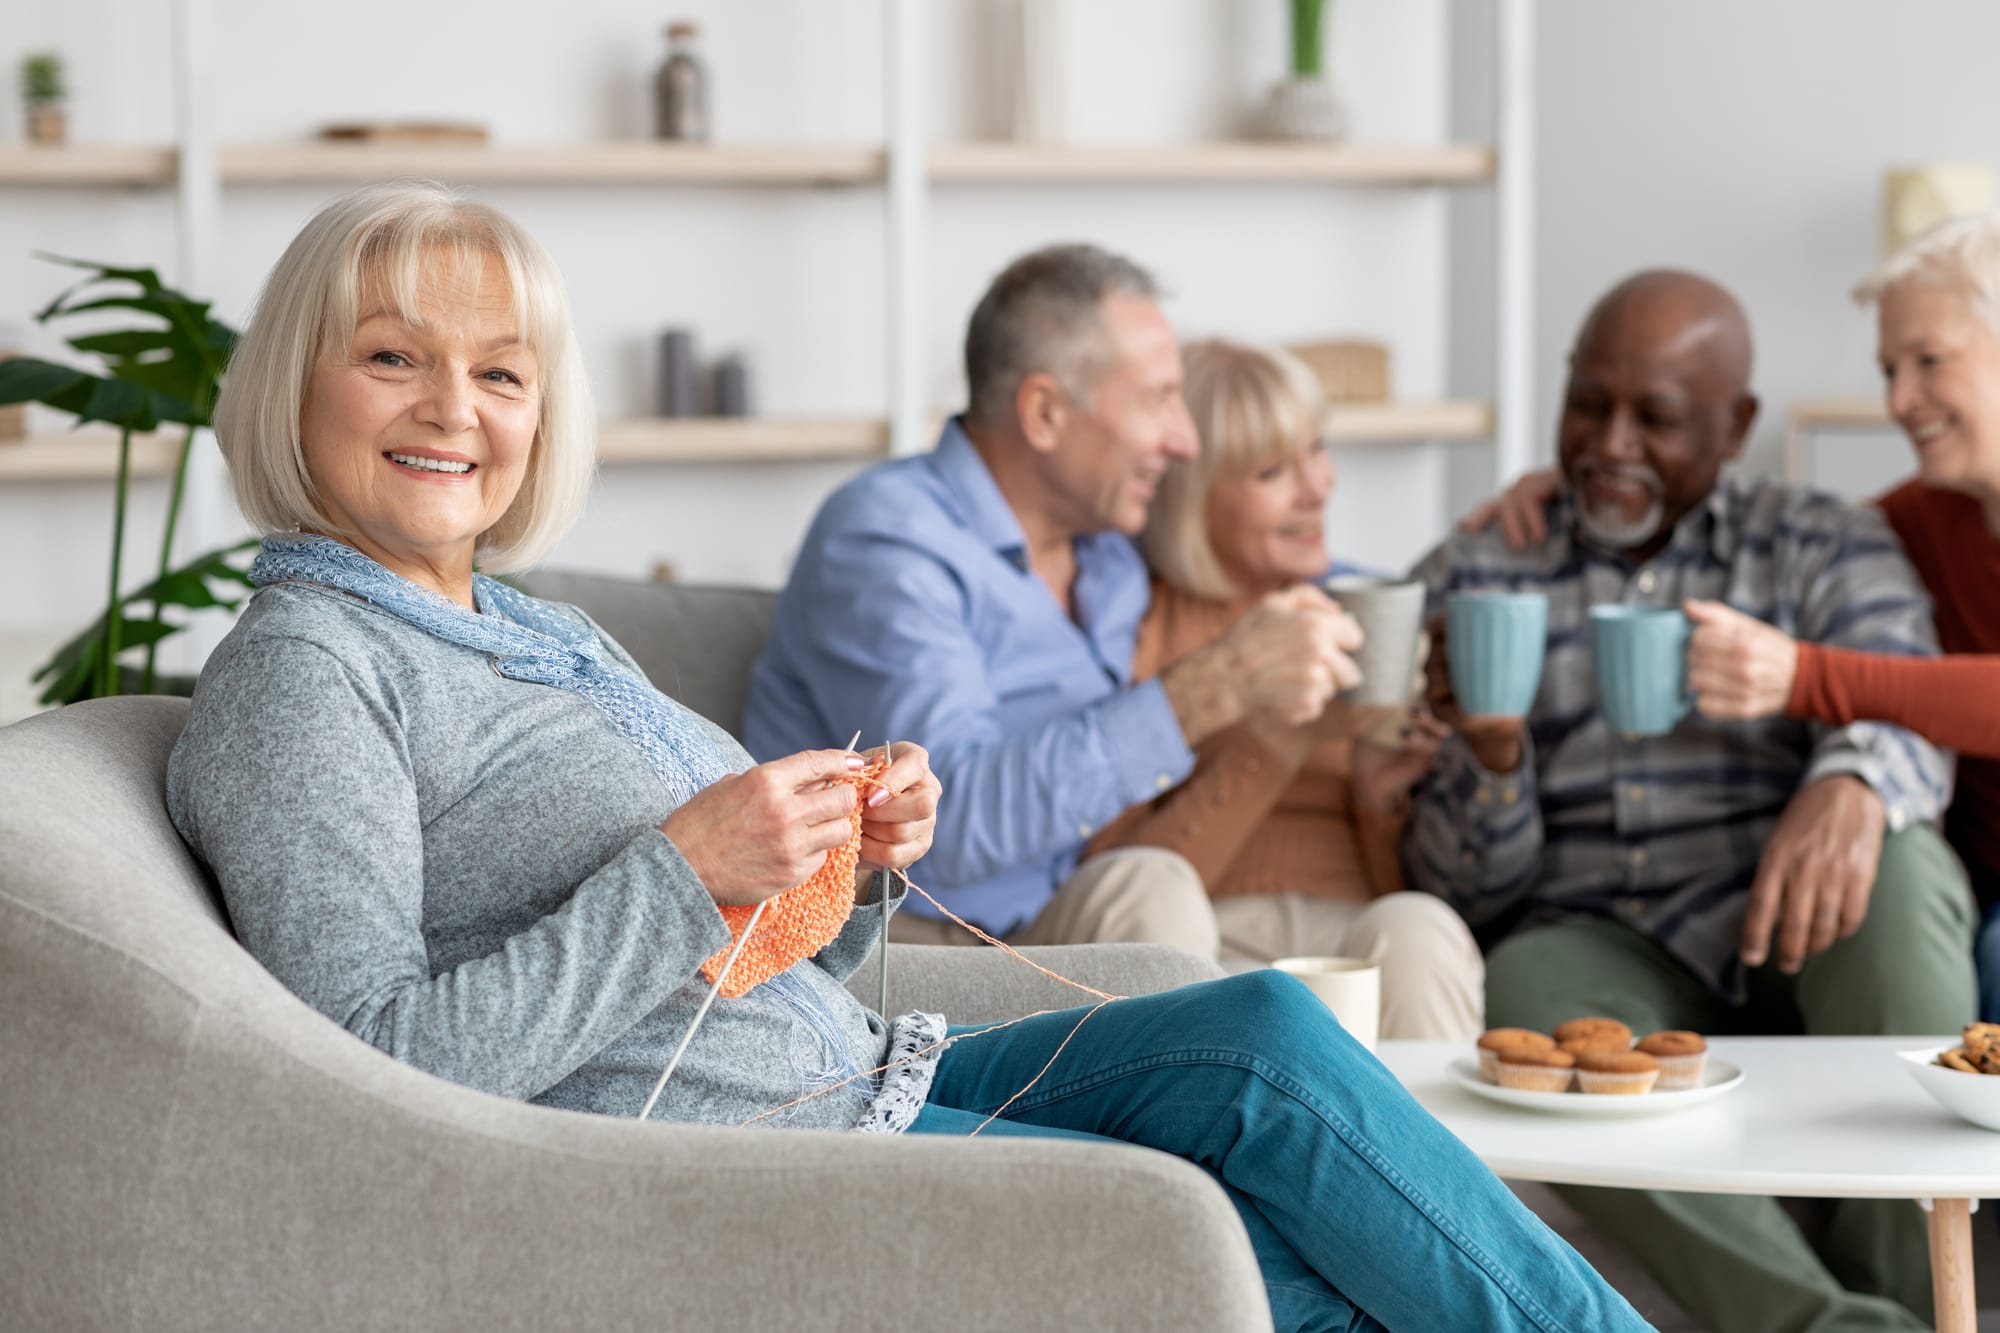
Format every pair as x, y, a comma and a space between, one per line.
1772, 876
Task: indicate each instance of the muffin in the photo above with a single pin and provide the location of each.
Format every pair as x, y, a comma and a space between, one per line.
1617, 1072
1534, 1071
1494, 1040
1604, 1041
1606, 1031
1683, 1058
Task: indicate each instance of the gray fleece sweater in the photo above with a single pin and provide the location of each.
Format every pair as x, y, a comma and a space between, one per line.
466, 872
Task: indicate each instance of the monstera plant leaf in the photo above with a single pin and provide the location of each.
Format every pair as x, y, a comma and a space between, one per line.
165, 371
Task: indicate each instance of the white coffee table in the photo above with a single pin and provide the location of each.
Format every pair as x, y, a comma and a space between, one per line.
1829, 1117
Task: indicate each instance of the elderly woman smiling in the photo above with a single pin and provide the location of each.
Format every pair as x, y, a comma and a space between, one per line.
1294, 829
459, 822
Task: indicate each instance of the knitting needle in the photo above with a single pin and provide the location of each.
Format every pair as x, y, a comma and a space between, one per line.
749, 928
882, 888
701, 1013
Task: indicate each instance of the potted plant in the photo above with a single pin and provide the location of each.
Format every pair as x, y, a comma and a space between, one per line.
1304, 106
42, 93
164, 371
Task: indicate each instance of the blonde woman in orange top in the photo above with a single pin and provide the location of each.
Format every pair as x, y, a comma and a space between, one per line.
1293, 828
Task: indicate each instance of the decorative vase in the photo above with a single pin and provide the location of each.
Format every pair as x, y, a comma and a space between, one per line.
1041, 71
48, 124
680, 89
1303, 108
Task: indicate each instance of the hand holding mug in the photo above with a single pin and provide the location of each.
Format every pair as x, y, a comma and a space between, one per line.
1293, 651
1381, 774
1495, 740
1738, 667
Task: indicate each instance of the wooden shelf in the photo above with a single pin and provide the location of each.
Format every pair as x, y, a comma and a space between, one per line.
84, 455
649, 162
635, 162
1407, 423
1243, 162
86, 164
1841, 414
743, 439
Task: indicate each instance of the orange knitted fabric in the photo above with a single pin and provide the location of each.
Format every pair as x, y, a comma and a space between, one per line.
801, 921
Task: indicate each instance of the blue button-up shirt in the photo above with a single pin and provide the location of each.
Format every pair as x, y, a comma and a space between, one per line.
912, 614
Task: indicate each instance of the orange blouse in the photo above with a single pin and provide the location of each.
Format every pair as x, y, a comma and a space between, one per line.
1250, 820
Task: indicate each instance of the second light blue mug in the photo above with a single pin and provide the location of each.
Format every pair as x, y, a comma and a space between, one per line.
1493, 647
1641, 656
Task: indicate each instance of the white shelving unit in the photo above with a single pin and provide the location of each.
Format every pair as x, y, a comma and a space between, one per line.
84, 455
203, 173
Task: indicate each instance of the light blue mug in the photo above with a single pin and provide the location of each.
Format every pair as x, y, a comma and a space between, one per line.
1493, 646
1641, 656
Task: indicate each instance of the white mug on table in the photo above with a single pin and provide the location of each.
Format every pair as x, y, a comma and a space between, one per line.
1351, 987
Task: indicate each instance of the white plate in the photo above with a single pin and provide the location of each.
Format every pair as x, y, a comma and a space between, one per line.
1719, 1078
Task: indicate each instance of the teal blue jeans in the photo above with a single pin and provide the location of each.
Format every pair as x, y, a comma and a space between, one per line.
1364, 1212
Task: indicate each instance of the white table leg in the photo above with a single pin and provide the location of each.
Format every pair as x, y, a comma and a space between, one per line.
1951, 1264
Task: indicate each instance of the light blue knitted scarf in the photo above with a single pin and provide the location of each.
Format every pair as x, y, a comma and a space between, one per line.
526, 639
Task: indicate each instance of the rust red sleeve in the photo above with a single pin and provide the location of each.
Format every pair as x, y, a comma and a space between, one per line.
1952, 701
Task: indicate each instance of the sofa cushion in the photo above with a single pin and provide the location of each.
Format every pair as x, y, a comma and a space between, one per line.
696, 643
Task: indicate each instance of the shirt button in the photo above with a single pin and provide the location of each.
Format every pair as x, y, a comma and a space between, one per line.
1163, 782
1469, 858
1633, 906
1483, 796
1510, 793
1647, 581
1083, 830
1635, 793
1637, 856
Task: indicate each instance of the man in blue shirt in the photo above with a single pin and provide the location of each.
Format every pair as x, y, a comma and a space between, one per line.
983, 600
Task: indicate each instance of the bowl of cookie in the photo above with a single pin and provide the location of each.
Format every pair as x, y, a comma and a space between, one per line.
1964, 1078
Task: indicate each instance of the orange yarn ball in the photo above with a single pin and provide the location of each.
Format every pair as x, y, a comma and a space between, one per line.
801, 921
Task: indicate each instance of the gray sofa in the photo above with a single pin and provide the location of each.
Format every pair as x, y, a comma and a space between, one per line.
184, 1145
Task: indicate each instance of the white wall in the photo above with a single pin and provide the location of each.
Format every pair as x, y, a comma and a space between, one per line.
1746, 141
793, 276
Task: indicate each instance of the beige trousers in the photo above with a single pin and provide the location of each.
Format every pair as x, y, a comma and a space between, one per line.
1143, 895
1433, 979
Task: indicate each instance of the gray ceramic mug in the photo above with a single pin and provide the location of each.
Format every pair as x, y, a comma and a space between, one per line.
1641, 654
1390, 613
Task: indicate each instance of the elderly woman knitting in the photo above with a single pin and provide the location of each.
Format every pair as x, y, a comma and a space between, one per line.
458, 821
1293, 829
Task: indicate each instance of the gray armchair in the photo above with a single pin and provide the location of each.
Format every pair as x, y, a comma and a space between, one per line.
185, 1145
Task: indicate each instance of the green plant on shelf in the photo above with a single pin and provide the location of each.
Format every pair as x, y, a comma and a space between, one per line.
1308, 51
162, 372
42, 79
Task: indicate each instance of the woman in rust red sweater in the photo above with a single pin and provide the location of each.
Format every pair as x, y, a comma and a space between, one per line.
1937, 307
1293, 829
1938, 340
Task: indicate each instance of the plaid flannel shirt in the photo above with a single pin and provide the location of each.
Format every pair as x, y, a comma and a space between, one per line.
1665, 833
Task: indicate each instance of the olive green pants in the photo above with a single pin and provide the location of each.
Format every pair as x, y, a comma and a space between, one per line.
1737, 1262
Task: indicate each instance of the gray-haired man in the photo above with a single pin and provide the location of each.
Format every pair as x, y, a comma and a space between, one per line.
983, 600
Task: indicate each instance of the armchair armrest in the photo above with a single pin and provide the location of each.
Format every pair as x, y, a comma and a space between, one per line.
387, 1200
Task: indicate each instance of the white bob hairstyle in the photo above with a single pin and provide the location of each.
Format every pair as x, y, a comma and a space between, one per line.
387, 237
1251, 406
1961, 256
